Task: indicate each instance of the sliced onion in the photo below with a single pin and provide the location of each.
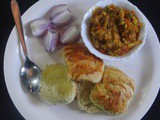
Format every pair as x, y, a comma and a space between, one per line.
58, 9
51, 40
70, 35
62, 19
39, 26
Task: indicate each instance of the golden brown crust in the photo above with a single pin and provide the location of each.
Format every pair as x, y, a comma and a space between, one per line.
82, 65
114, 92
111, 74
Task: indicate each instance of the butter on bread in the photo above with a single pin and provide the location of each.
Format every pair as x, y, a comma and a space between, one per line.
114, 92
82, 65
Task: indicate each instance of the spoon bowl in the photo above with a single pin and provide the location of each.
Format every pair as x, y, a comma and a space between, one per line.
30, 75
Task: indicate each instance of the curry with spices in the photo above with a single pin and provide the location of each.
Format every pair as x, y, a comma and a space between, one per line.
114, 30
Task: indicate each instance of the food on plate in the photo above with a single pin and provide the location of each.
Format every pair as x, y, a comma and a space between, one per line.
114, 93
70, 35
56, 88
81, 64
62, 19
84, 102
39, 26
114, 31
51, 40
60, 15
58, 9
56, 29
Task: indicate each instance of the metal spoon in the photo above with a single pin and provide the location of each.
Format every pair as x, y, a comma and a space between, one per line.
30, 73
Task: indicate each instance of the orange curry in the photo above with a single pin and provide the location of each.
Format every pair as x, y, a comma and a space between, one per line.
114, 31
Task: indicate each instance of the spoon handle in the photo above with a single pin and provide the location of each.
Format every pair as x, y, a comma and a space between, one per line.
18, 22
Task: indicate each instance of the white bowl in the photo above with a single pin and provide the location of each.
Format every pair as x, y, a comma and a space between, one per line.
123, 4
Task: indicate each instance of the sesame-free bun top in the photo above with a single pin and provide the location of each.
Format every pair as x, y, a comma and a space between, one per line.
82, 65
114, 93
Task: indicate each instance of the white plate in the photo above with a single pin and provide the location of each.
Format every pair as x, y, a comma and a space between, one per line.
144, 68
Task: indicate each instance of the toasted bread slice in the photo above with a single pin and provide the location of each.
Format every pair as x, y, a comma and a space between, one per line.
82, 65
114, 93
56, 88
84, 102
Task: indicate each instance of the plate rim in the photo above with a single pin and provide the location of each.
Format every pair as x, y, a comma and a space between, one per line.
139, 116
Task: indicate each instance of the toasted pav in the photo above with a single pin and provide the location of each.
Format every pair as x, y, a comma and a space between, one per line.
114, 93
56, 88
82, 65
84, 102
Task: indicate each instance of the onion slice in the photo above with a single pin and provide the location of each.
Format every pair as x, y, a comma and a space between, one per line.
39, 26
58, 9
51, 40
62, 19
70, 35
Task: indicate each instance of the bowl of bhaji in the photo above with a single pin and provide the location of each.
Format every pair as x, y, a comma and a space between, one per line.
114, 30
